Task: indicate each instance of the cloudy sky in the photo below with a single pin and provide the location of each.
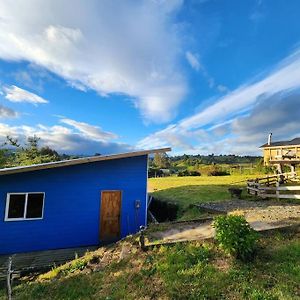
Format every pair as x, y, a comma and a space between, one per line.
201, 76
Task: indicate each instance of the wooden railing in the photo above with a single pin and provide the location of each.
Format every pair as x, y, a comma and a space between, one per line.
270, 187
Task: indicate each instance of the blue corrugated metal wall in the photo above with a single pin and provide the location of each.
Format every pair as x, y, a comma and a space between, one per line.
72, 203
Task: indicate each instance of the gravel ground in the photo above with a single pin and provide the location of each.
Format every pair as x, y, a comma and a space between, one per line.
267, 211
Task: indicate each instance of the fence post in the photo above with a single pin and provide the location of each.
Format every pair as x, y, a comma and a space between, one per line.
9, 278
277, 191
142, 238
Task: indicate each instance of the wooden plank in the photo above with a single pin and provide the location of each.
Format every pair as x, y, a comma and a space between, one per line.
281, 196
289, 196
268, 188
254, 189
288, 188
41, 259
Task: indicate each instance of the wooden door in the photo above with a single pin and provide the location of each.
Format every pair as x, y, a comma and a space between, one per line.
110, 215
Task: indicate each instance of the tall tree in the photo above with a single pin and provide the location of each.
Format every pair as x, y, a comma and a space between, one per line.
30, 153
161, 160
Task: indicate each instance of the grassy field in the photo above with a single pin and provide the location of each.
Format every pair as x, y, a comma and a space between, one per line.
184, 271
187, 190
197, 189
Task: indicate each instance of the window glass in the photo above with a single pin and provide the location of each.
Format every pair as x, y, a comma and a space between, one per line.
16, 206
35, 205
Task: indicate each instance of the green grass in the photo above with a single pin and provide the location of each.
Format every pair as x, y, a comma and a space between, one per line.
196, 189
182, 271
189, 190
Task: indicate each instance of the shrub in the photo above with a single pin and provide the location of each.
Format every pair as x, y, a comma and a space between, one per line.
195, 173
213, 170
235, 236
188, 173
183, 173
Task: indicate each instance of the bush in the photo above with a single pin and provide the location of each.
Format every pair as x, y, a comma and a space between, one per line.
213, 170
188, 173
236, 237
183, 173
195, 173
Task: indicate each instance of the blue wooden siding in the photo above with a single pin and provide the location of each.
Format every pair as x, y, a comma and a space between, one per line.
72, 203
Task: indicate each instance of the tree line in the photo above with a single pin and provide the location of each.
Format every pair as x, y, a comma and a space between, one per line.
195, 165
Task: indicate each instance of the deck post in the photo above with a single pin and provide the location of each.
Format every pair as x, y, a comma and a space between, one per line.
277, 191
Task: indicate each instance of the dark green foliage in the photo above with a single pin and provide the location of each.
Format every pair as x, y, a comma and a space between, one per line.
164, 211
235, 236
154, 172
217, 171
14, 153
217, 159
30, 153
188, 173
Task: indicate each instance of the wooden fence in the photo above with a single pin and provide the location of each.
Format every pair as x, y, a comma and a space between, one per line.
275, 186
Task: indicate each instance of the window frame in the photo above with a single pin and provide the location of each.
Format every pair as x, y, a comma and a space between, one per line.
6, 219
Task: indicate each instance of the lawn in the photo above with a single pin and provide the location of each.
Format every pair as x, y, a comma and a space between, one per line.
197, 189
183, 271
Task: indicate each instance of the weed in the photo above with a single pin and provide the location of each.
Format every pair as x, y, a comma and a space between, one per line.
235, 236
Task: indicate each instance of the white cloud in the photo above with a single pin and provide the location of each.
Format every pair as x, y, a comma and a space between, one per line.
83, 138
118, 46
193, 61
16, 94
90, 131
284, 79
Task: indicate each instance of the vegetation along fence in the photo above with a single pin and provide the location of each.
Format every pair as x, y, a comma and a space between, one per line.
275, 186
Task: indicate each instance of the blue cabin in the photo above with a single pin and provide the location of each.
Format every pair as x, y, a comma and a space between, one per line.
73, 203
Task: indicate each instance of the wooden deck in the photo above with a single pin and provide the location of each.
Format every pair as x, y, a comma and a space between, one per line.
38, 260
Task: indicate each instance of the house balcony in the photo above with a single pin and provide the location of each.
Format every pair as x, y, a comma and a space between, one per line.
285, 159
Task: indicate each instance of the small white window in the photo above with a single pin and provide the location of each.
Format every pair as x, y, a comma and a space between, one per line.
24, 206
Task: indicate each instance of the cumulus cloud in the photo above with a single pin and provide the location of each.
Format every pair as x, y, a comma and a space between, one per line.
16, 94
118, 46
281, 118
81, 138
269, 101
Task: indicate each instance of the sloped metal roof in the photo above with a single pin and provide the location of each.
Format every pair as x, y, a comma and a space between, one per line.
78, 161
293, 142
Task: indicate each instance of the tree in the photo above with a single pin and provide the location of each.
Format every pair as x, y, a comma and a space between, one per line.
30, 153
161, 160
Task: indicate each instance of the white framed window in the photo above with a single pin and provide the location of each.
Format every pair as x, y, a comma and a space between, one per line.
24, 206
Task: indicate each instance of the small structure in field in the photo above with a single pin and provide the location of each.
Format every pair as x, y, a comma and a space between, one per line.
73, 203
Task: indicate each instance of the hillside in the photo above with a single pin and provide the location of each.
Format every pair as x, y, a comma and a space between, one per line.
182, 271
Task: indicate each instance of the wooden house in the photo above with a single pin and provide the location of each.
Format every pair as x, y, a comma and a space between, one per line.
282, 153
73, 203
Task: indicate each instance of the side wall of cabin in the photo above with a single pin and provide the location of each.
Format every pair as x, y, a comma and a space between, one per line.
72, 204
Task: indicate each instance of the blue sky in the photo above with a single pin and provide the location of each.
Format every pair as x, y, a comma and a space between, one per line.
112, 76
